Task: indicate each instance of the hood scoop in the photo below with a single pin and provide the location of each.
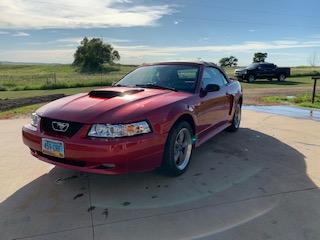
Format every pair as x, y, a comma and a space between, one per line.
111, 94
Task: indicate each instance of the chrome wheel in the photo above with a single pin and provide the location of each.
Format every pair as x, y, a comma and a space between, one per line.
182, 148
237, 116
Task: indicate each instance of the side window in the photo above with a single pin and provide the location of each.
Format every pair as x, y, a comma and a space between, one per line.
213, 76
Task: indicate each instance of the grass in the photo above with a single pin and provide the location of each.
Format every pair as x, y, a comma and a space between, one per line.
300, 100
290, 82
295, 71
56, 76
17, 81
20, 111
34, 93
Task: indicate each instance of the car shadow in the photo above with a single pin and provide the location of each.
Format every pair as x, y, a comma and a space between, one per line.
229, 168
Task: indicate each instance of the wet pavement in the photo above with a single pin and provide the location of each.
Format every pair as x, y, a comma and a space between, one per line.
288, 111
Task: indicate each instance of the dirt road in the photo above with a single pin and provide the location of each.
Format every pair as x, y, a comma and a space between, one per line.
259, 183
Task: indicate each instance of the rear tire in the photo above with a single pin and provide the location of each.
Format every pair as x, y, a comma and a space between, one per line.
236, 120
282, 77
178, 149
251, 78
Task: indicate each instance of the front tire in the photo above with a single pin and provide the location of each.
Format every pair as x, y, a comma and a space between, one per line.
178, 149
236, 120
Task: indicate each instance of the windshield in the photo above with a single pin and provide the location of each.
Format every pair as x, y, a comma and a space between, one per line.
252, 66
175, 77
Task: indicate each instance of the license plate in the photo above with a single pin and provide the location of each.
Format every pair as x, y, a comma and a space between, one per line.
53, 147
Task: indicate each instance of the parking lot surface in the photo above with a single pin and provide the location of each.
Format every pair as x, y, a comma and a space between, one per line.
261, 182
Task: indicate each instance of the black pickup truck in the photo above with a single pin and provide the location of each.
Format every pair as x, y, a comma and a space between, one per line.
262, 71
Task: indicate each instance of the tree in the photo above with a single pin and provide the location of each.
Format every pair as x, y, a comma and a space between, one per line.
313, 59
228, 61
92, 54
259, 57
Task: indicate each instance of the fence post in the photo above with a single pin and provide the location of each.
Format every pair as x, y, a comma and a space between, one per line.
314, 88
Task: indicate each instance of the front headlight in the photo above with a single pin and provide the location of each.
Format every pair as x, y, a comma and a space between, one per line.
119, 130
35, 120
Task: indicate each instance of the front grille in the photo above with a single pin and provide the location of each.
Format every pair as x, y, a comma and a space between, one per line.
76, 163
47, 127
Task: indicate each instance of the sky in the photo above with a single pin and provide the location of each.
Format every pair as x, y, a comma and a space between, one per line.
46, 31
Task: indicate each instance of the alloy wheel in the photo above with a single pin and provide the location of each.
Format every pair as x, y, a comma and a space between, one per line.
182, 148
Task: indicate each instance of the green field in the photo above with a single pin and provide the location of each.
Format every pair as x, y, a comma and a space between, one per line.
59, 76
300, 100
295, 71
20, 111
19, 81
43, 77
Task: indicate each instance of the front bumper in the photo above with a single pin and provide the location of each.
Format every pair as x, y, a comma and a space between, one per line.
105, 156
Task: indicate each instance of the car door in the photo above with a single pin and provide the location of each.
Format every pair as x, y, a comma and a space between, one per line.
213, 108
261, 71
270, 70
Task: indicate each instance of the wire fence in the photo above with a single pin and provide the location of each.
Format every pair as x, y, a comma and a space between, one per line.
53, 80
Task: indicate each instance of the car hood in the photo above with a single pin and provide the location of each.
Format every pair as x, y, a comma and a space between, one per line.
110, 105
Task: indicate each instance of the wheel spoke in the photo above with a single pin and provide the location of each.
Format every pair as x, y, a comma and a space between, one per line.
181, 137
181, 157
182, 148
176, 155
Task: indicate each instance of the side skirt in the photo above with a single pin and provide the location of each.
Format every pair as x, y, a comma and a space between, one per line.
211, 134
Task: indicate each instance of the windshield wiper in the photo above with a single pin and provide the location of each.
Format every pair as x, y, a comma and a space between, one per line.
151, 85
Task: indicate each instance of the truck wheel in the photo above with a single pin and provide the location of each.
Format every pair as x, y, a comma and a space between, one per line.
251, 78
281, 77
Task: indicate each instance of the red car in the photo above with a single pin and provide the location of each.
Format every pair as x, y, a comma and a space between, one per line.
154, 117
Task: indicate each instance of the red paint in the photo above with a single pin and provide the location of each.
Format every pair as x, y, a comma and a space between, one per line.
161, 108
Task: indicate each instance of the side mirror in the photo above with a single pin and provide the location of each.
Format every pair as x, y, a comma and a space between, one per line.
212, 88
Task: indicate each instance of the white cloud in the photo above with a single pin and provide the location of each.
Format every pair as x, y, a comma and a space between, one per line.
77, 40
20, 34
252, 30
38, 56
144, 53
78, 14
241, 47
3, 32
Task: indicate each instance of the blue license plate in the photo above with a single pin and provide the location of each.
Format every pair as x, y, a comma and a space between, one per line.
53, 147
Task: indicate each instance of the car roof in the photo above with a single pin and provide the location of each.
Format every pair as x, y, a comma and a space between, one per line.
194, 63
203, 63
265, 63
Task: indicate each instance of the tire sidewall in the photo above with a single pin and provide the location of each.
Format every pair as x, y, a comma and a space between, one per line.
168, 163
251, 78
282, 77
233, 126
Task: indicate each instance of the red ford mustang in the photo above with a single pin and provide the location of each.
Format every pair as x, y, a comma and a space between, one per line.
153, 117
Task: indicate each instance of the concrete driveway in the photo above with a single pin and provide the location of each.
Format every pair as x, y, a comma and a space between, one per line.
259, 183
